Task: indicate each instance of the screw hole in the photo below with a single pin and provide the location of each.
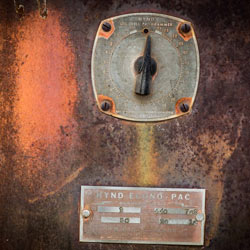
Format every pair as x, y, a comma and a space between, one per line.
145, 31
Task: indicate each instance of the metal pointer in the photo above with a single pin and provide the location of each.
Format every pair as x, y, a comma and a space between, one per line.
146, 68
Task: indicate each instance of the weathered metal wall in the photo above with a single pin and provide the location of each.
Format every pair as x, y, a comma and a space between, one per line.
54, 139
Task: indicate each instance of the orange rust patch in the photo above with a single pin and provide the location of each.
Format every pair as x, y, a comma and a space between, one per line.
104, 34
46, 82
187, 100
102, 98
44, 110
185, 36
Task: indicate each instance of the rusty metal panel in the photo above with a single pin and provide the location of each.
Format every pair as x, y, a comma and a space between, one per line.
54, 139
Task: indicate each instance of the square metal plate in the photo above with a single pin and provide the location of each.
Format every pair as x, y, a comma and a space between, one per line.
142, 215
120, 42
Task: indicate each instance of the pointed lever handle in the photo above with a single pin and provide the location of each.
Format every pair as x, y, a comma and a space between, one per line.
145, 67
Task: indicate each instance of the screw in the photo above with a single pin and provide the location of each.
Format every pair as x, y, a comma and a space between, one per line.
184, 107
106, 27
85, 213
105, 106
185, 28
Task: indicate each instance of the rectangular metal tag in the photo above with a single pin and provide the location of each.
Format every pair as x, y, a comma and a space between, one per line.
142, 215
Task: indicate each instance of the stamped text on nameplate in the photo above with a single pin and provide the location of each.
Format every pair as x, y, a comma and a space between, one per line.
142, 215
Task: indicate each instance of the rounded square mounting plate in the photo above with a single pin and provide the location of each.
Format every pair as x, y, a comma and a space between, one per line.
120, 42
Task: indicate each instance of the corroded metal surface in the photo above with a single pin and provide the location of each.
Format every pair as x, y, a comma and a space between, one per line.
54, 139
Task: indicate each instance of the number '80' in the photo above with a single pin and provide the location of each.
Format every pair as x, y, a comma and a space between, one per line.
124, 220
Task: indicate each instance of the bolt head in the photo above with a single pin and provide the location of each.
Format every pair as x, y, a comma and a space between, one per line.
106, 27
85, 213
105, 105
184, 107
185, 27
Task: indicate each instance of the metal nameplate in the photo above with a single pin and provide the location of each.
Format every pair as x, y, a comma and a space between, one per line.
145, 67
142, 215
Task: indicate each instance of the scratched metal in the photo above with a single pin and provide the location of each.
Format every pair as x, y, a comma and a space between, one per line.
142, 215
54, 138
114, 56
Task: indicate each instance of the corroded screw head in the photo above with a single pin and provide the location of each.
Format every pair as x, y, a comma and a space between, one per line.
106, 27
185, 27
105, 105
184, 107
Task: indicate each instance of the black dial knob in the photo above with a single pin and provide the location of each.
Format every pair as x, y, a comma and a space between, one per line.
145, 67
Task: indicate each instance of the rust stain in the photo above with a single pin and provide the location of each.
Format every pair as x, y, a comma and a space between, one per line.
142, 167
104, 34
220, 147
46, 85
46, 96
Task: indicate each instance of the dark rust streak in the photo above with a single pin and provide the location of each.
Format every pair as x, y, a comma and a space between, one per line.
8, 150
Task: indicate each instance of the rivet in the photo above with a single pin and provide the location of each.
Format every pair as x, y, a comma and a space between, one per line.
200, 217
85, 213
